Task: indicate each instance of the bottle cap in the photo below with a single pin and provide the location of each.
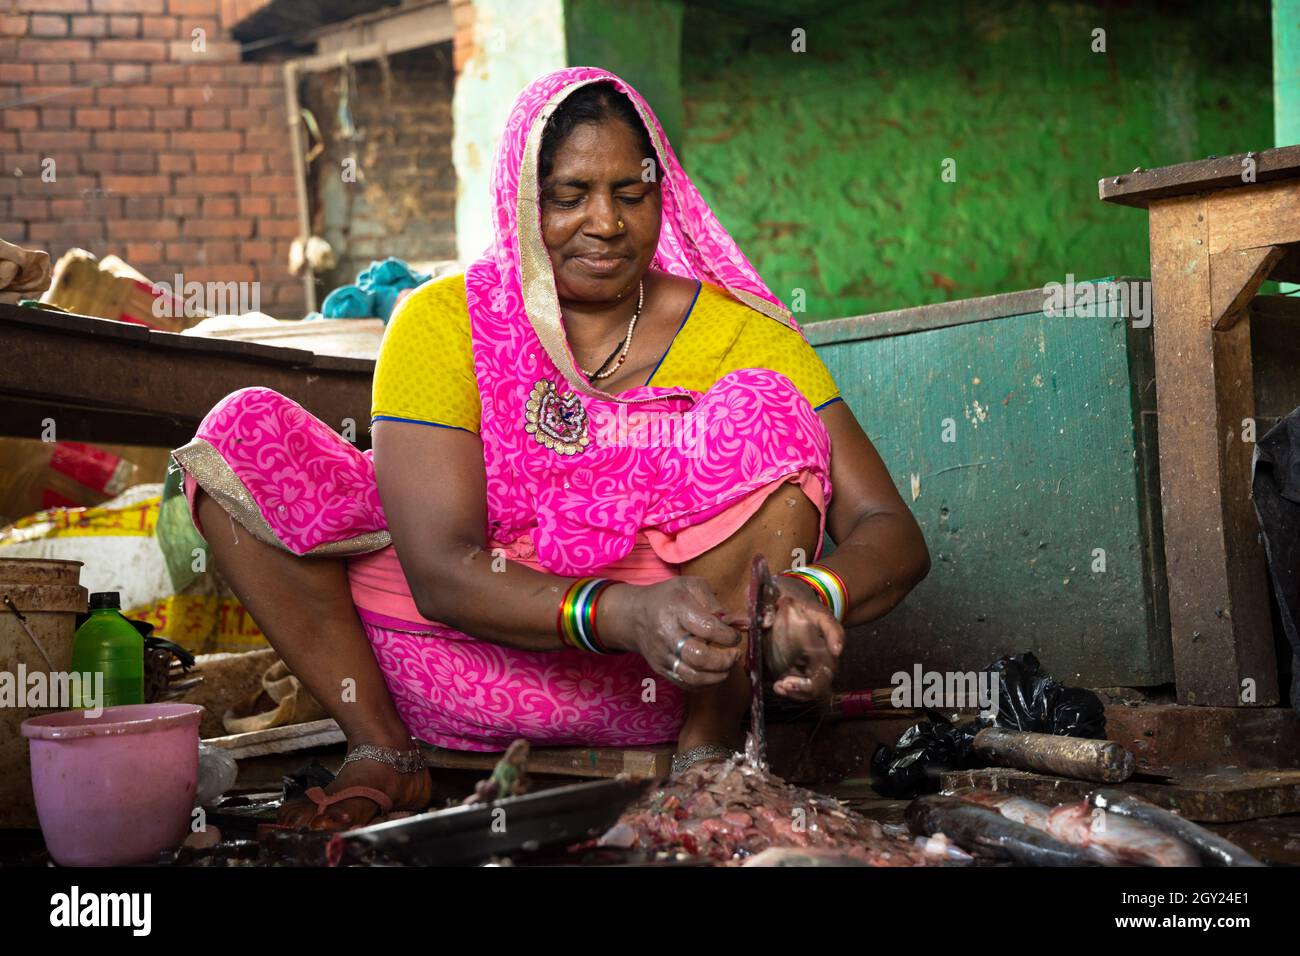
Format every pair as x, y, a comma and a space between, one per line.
100, 600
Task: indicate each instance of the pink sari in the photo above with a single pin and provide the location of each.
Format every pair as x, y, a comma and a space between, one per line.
567, 490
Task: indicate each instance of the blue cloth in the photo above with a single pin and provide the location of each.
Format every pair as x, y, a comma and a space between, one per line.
375, 294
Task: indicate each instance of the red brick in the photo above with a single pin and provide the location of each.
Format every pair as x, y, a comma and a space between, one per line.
137, 163
28, 208
150, 229
123, 26
277, 227
248, 163
127, 6
98, 161
212, 163
70, 209
138, 185
272, 185
233, 272
54, 73
194, 8
53, 6
17, 73
132, 118
49, 142
56, 119
169, 119
137, 51
48, 26
207, 141
91, 118
251, 250
266, 98
89, 26
206, 73
144, 253
13, 26
8, 140
22, 119
175, 162
286, 204
209, 185
160, 28
115, 139
204, 94
132, 96
64, 95
209, 119
181, 206
56, 51
219, 207
265, 142
233, 228
247, 119
183, 251
222, 252
89, 72
255, 205
139, 207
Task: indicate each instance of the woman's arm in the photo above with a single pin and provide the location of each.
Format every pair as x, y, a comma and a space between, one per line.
880, 552
434, 490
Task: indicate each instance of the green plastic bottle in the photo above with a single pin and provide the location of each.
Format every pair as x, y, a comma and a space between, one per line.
108, 643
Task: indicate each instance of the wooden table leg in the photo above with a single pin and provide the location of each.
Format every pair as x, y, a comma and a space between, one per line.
1218, 593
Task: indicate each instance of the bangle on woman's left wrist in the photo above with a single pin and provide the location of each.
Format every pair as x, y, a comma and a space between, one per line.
826, 584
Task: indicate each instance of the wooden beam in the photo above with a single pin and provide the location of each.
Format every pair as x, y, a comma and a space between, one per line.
1218, 594
1143, 187
1235, 277
1251, 216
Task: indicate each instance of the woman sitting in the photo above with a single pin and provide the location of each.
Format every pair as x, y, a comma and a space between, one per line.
578, 447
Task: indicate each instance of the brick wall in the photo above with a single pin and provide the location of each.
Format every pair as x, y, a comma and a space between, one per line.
404, 200
175, 160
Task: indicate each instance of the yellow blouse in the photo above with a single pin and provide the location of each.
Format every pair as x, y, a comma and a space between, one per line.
425, 371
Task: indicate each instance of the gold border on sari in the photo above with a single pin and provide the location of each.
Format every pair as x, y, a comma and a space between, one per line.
218, 479
537, 278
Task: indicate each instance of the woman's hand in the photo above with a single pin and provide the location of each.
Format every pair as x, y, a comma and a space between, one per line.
653, 619
805, 644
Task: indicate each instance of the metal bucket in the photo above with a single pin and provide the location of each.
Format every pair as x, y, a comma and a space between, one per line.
48, 597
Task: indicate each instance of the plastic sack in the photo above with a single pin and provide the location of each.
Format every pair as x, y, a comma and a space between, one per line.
1028, 700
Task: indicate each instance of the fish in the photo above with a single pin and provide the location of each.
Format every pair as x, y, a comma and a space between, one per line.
727, 812
1029, 812
1213, 850
981, 830
1114, 836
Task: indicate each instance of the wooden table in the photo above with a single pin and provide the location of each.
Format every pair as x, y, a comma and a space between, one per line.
1219, 227
116, 382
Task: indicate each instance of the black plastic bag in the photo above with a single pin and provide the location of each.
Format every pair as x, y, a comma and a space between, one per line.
1028, 699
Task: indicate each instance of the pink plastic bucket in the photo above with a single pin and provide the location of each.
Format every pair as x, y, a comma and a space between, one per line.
118, 788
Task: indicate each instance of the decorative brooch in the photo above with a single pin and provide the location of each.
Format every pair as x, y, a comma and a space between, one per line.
558, 423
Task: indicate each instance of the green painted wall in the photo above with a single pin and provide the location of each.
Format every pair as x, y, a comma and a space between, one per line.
826, 165
1286, 72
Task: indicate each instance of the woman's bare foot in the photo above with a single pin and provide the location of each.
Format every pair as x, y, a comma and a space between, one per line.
408, 791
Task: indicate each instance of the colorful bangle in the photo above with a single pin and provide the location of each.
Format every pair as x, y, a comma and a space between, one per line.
576, 619
828, 585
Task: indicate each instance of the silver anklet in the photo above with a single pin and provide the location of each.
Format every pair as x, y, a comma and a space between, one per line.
403, 761
693, 756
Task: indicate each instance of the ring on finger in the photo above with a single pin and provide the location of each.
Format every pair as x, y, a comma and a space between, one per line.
677, 662
681, 643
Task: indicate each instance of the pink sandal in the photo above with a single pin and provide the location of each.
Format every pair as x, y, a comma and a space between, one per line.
403, 761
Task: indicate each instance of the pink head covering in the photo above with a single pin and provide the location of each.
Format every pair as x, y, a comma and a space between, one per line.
692, 243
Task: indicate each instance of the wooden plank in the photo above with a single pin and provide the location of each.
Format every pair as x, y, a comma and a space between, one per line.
593, 762
1251, 216
1170, 735
1218, 595
1143, 187
1235, 277
1218, 795
280, 740
925, 317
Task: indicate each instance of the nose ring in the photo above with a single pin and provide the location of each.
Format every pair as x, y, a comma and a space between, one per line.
620, 225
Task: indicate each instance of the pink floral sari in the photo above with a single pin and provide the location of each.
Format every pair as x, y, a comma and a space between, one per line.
566, 490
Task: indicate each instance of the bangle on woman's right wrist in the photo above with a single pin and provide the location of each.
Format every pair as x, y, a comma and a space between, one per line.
576, 618
828, 586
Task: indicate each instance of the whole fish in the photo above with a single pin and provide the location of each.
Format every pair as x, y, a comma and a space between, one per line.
1029, 812
1124, 840
1212, 849
979, 829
